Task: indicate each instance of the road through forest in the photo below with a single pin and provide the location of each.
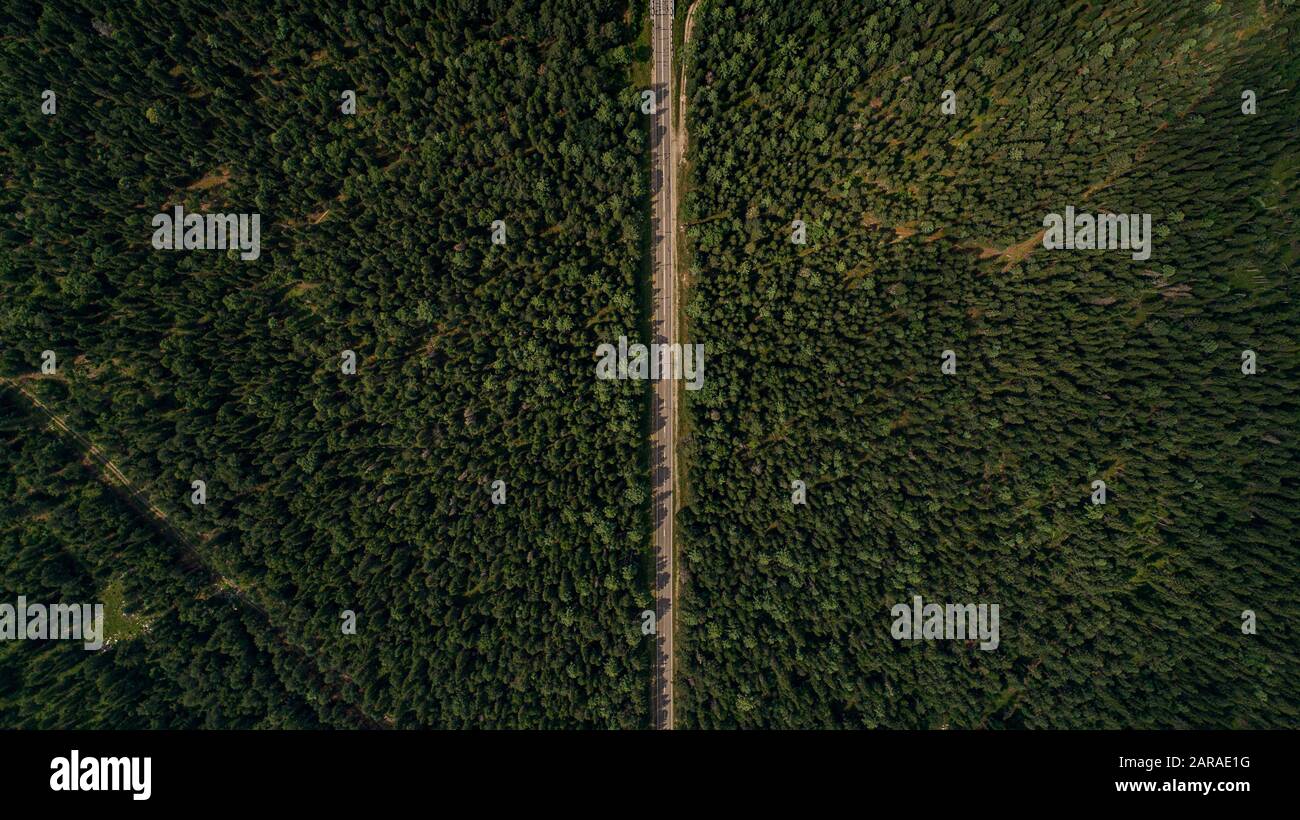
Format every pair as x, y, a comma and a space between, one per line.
663, 328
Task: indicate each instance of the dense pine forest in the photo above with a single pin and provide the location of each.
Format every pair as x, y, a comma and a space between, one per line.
392, 413
923, 235
189, 654
326, 490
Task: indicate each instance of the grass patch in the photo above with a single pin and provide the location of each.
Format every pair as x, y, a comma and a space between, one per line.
119, 625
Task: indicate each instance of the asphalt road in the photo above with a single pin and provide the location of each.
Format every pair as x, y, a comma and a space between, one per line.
663, 328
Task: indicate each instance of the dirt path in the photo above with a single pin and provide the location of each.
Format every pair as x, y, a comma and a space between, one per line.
681, 97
